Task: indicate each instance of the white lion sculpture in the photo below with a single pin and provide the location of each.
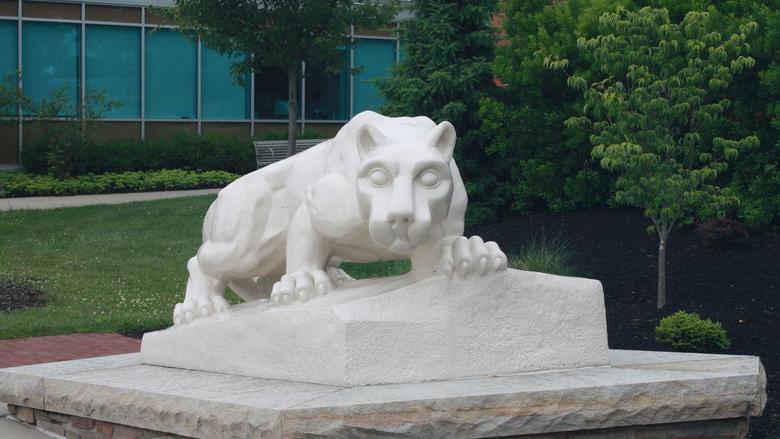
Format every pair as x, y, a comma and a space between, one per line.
383, 189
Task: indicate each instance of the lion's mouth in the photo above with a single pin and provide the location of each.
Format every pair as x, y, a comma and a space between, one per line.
398, 237
402, 243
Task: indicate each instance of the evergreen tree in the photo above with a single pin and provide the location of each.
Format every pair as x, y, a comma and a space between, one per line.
550, 166
448, 48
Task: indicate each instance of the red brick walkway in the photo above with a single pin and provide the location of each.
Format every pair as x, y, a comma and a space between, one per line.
22, 351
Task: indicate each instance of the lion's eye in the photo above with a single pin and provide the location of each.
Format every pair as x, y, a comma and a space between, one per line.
378, 177
429, 178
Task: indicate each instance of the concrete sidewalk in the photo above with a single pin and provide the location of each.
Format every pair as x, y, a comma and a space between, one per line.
13, 429
89, 200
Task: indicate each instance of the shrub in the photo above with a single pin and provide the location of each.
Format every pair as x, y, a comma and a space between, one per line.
18, 184
720, 232
207, 152
546, 255
185, 150
687, 331
63, 129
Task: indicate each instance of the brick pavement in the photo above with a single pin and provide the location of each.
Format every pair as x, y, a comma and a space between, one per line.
32, 350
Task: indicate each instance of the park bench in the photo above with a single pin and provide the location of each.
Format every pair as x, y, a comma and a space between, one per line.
271, 151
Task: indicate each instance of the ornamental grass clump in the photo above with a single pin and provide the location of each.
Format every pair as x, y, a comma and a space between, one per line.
689, 332
545, 254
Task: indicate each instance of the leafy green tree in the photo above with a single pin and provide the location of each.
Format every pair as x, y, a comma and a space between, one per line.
448, 48
660, 87
550, 166
755, 102
280, 34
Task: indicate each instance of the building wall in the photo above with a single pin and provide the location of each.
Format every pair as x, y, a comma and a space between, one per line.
163, 81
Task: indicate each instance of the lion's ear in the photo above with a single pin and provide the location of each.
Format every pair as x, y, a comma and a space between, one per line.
443, 138
368, 140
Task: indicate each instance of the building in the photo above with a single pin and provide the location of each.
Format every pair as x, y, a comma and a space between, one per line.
164, 81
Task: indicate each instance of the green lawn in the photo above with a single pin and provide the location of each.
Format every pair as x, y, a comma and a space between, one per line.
117, 268
122, 268
105, 268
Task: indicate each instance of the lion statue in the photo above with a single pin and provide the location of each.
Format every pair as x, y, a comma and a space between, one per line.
383, 189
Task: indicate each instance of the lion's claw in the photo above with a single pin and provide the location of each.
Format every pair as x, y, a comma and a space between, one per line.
466, 257
199, 307
301, 286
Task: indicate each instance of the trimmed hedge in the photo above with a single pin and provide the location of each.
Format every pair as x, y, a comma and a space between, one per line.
208, 152
18, 184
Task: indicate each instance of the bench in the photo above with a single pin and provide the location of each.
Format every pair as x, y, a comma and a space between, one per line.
271, 151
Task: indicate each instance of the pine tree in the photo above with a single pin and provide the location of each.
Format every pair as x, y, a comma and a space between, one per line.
448, 48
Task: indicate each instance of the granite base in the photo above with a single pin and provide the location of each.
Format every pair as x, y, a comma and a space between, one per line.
640, 394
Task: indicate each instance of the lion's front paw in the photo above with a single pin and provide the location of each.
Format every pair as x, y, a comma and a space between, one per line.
301, 286
465, 257
199, 307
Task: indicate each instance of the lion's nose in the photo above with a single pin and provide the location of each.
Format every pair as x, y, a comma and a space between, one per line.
400, 218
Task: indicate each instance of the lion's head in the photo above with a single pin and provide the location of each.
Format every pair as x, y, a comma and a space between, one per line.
404, 187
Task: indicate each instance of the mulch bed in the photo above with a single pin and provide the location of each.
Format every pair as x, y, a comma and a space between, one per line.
15, 294
738, 285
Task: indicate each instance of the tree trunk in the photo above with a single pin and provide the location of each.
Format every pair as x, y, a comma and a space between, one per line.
662, 241
292, 108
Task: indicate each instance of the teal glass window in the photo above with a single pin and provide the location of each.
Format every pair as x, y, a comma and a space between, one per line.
8, 44
271, 95
50, 60
171, 75
327, 94
114, 68
373, 58
8, 58
222, 98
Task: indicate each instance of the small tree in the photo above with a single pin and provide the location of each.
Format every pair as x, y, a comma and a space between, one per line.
63, 128
662, 84
279, 34
448, 48
11, 96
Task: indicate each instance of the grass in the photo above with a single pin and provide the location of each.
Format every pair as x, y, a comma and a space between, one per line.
104, 268
118, 268
122, 268
376, 269
545, 254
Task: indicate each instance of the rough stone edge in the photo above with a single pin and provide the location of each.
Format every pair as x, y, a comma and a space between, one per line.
754, 397
24, 385
180, 415
21, 389
730, 428
437, 419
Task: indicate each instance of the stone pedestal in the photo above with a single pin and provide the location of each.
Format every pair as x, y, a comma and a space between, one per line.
393, 330
638, 395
